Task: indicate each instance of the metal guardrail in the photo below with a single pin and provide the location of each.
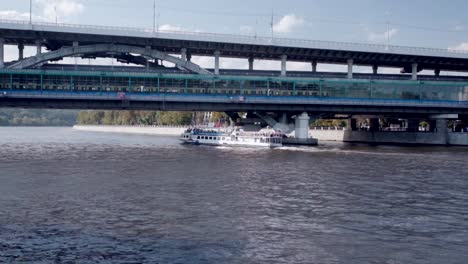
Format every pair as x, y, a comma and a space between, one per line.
254, 40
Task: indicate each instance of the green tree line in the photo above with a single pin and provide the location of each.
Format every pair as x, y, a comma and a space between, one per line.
138, 118
37, 117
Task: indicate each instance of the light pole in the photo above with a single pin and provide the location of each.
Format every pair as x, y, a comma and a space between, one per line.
154, 16
30, 12
388, 29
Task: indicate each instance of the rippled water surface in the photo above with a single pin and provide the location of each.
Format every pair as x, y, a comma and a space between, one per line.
80, 197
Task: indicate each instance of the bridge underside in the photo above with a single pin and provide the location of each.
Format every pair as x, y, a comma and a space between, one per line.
168, 104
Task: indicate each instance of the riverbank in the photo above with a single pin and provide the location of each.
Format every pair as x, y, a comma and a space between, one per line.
321, 134
148, 130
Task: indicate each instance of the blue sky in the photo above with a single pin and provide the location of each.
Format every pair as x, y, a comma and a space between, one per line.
411, 23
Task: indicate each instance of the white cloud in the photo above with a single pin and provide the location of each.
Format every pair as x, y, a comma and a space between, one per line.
13, 15
458, 28
462, 47
47, 11
167, 27
382, 37
287, 23
62, 9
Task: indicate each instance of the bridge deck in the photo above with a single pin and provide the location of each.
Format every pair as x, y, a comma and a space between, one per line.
150, 91
204, 44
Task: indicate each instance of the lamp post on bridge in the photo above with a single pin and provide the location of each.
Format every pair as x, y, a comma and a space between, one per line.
30, 12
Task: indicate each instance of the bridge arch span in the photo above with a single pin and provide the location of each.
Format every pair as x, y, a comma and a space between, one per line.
106, 48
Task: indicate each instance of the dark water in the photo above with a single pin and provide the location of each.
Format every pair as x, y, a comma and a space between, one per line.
79, 197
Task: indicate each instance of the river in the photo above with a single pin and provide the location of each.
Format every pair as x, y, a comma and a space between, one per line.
81, 197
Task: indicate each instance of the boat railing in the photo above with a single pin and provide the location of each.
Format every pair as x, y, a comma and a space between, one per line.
256, 134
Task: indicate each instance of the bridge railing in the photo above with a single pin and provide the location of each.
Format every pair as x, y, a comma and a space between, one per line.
203, 98
254, 40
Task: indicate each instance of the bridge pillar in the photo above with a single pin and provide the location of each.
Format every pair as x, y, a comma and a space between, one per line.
183, 54
350, 68
251, 64
314, 66
284, 119
302, 126
38, 47
352, 124
216, 69
374, 124
414, 71
148, 49
375, 69
283, 64
441, 125
76, 44
437, 72
2, 53
20, 51
412, 125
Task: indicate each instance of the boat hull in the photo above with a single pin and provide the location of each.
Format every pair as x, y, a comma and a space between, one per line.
194, 140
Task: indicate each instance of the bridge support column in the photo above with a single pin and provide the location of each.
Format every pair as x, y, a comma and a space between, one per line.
38, 47
374, 124
352, 124
283, 65
20, 51
2, 53
437, 72
148, 49
183, 54
284, 119
302, 126
350, 68
441, 125
76, 44
314, 66
251, 64
414, 71
216, 69
375, 69
412, 125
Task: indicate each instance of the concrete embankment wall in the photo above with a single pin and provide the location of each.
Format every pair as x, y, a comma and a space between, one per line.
150, 130
389, 137
418, 138
326, 134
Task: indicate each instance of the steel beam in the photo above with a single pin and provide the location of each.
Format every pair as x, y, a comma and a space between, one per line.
105, 48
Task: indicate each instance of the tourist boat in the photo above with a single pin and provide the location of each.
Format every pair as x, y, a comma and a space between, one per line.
231, 137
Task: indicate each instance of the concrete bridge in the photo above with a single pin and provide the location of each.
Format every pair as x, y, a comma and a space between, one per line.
280, 98
284, 103
146, 47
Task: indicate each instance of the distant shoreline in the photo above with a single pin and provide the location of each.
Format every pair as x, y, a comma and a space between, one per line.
26, 126
147, 130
